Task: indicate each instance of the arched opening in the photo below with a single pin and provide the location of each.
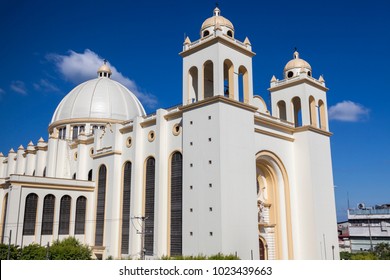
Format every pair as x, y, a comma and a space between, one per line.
230, 33
74, 176
30, 214
81, 210
193, 85
149, 206
48, 214
206, 33
297, 111
101, 205
176, 204
243, 84
282, 110
313, 111
90, 175
228, 78
273, 200
126, 197
208, 79
262, 250
322, 114
64, 223
75, 133
44, 172
4, 216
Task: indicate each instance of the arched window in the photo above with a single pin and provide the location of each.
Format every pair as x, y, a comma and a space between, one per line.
64, 215
75, 132
208, 79
48, 214
4, 218
30, 214
126, 208
90, 175
261, 249
44, 172
206, 33
176, 204
321, 107
230, 33
228, 78
81, 207
313, 111
243, 84
297, 117
193, 95
101, 205
149, 205
282, 110
74, 176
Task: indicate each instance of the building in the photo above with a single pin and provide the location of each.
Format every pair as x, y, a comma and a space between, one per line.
220, 173
368, 226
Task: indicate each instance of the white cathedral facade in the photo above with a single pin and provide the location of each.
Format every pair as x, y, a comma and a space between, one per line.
220, 173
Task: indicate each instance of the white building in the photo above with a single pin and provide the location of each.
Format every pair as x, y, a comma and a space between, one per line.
220, 173
368, 226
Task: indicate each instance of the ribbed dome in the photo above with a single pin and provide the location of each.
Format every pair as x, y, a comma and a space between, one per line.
297, 63
217, 19
100, 98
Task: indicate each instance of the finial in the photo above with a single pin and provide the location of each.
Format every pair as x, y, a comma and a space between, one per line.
247, 42
1, 154
187, 41
273, 79
41, 140
296, 53
21, 147
31, 143
11, 151
105, 61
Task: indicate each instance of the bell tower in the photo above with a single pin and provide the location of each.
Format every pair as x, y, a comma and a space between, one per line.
217, 63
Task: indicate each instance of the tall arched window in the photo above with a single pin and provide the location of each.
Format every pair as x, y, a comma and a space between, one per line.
282, 110
193, 95
4, 218
228, 78
208, 79
81, 207
176, 204
48, 214
321, 108
126, 208
313, 111
30, 214
243, 84
296, 104
149, 206
44, 172
63, 228
101, 205
75, 132
90, 175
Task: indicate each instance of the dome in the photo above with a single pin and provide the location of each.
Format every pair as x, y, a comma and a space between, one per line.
100, 98
296, 65
217, 21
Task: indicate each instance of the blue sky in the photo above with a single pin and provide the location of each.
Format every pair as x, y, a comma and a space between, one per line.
48, 47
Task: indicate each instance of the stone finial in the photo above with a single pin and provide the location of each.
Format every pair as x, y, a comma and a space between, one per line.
41, 140
1, 154
30, 144
321, 79
273, 79
247, 42
187, 41
12, 151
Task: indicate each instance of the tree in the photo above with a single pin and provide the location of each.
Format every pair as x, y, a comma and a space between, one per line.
14, 252
33, 252
69, 249
382, 251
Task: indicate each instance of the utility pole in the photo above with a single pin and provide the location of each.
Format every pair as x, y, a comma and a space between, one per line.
142, 232
9, 244
48, 251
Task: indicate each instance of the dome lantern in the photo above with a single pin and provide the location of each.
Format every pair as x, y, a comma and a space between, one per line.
104, 70
217, 22
296, 66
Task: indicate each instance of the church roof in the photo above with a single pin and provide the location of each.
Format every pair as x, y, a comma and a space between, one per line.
100, 98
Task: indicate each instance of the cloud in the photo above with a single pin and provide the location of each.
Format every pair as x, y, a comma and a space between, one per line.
18, 87
348, 111
45, 86
79, 67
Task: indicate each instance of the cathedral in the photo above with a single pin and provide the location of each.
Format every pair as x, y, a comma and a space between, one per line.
221, 173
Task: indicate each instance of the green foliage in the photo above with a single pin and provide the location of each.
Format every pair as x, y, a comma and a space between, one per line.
14, 252
218, 256
33, 252
364, 256
382, 251
345, 256
70, 249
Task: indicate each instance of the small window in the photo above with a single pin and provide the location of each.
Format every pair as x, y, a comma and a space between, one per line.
191, 165
290, 74
90, 175
91, 151
206, 33
230, 34
211, 209
191, 187
129, 142
209, 139
211, 233
191, 210
309, 73
191, 143
176, 129
74, 176
191, 122
210, 185
191, 233
151, 136
209, 117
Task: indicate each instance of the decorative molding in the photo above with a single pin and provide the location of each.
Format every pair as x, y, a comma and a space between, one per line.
272, 134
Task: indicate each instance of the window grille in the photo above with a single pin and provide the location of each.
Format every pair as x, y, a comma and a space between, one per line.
30, 214
149, 206
48, 214
81, 206
176, 204
64, 214
126, 208
100, 208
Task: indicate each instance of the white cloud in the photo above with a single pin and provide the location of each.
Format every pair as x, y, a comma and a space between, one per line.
348, 111
45, 86
79, 67
19, 87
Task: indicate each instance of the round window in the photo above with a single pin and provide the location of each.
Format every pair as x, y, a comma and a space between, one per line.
290, 74
151, 136
129, 142
176, 129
